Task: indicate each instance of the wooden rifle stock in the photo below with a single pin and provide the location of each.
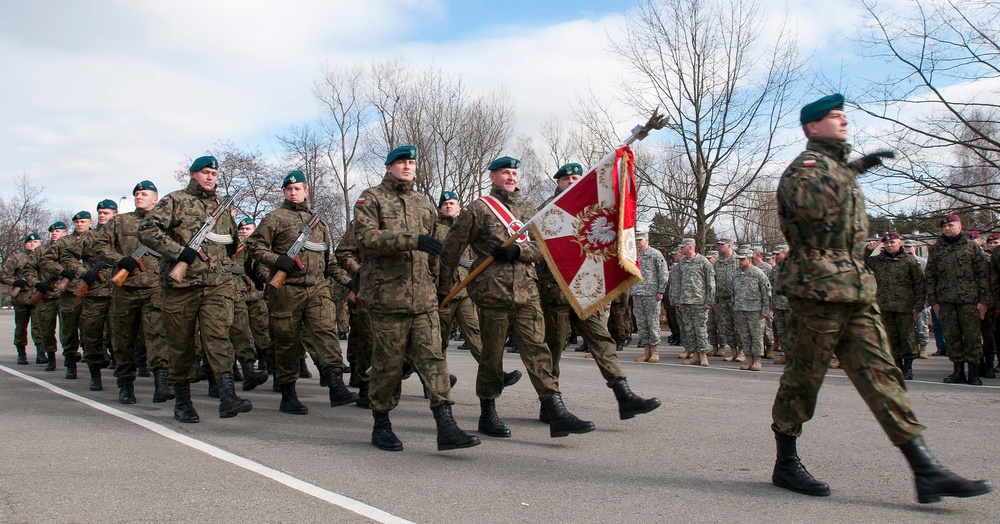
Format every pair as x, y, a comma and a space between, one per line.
14, 291
179, 270
119, 277
278, 279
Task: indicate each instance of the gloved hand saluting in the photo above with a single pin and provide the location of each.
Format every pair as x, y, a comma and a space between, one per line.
875, 159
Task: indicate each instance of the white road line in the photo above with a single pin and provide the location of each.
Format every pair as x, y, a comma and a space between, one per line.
283, 478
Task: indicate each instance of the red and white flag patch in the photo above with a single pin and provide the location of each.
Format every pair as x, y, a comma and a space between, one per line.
809, 163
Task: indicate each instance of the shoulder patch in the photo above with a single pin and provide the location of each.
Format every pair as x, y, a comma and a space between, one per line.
465, 210
809, 163
360, 200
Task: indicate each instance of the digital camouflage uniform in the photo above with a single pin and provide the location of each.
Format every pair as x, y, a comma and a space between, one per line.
780, 309
822, 215
655, 277
900, 294
461, 307
957, 278
81, 257
695, 289
70, 306
399, 291
751, 298
15, 269
768, 328
724, 269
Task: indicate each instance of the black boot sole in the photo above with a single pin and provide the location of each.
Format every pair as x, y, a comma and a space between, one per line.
494, 434
554, 433
387, 448
304, 410
930, 498
512, 378
230, 413
781, 484
625, 415
470, 444
344, 401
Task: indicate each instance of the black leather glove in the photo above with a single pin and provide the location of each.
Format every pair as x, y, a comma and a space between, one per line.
20, 283
187, 256
506, 254
285, 263
441, 298
43, 287
128, 264
90, 277
349, 284
875, 159
429, 245
67, 274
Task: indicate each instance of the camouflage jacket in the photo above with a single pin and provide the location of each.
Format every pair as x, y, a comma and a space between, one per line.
51, 262
957, 272
765, 267
118, 239
822, 214
674, 283
900, 281
81, 257
36, 262
995, 278
751, 290
697, 283
501, 284
725, 268
349, 257
18, 267
396, 277
778, 301
244, 266
279, 230
655, 276
464, 262
176, 218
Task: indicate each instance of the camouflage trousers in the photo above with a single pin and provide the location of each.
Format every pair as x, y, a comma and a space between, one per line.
712, 326
22, 317
647, 319
620, 320
899, 329
70, 308
694, 335
961, 326
135, 314
207, 310
559, 318
259, 320
359, 342
93, 319
920, 331
988, 328
781, 327
416, 339
526, 325
726, 324
303, 316
768, 332
343, 317
671, 314
854, 333
239, 333
751, 329
464, 311
43, 324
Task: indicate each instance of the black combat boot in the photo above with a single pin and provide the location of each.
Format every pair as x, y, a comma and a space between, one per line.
70, 364
229, 404
40, 357
51, 361
274, 383
213, 386
934, 480
449, 435
974, 375
630, 404
126, 391
304, 370
199, 371
95, 377
22, 356
789, 473
509, 379
907, 368
162, 391
363, 400
339, 394
237, 374
382, 435
958, 376
112, 363
141, 368
354, 381
986, 369
183, 408
262, 359
489, 422
290, 400
561, 421
251, 378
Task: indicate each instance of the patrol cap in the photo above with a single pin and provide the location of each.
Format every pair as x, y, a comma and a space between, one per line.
57, 225
145, 185
247, 221
892, 235
293, 178
780, 248
743, 246
687, 242
712, 254
81, 215
446, 196
744, 253
641, 235
401, 153
202, 162
31, 236
568, 170
675, 251
107, 203
758, 249
972, 234
504, 162
725, 240
814, 111
909, 243
950, 218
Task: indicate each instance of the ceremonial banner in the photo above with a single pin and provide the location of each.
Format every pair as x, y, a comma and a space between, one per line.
587, 234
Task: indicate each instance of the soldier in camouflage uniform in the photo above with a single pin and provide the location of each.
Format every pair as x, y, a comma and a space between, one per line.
202, 299
751, 304
779, 304
673, 279
694, 295
724, 269
646, 296
822, 214
920, 331
760, 261
394, 228
241, 333
715, 338
958, 282
70, 305
507, 295
900, 296
136, 304
257, 314
620, 320
359, 338
991, 326
16, 273
302, 309
47, 308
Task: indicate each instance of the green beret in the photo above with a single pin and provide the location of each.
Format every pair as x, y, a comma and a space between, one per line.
57, 225
446, 196
818, 109
401, 153
569, 170
504, 162
107, 203
247, 221
145, 185
31, 236
81, 215
293, 177
202, 162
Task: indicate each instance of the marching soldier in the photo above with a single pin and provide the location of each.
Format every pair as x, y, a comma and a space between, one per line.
900, 296
257, 314
70, 305
359, 337
16, 272
47, 308
751, 304
241, 333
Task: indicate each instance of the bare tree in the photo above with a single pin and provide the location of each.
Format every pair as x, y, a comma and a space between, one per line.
755, 215
21, 213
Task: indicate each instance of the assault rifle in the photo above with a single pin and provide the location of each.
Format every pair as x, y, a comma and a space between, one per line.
140, 252
180, 268
82, 290
278, 279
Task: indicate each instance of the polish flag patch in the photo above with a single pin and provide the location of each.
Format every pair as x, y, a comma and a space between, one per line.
362, 200
809, 163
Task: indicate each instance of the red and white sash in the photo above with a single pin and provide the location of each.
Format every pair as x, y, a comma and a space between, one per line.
505, 216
